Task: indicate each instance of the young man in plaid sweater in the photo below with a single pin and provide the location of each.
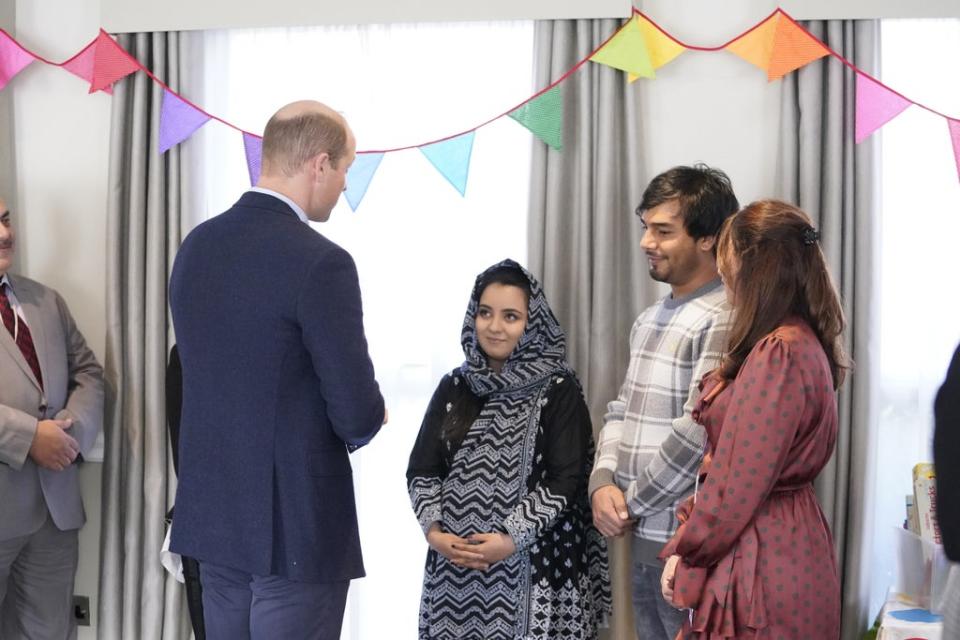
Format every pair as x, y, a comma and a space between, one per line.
649, 447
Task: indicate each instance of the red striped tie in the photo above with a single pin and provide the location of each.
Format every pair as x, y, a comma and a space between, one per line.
21, 333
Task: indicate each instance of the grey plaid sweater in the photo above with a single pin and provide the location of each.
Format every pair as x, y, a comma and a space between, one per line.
649, 445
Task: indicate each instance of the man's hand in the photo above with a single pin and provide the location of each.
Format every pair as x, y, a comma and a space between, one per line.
667, 578
386, 415
492, 547
455, 549
52, 447
610, 515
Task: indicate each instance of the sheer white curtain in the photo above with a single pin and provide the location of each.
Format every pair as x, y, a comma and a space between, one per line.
920, 308
418, 244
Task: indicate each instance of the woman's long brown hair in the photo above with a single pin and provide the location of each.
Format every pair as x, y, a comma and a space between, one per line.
782, 273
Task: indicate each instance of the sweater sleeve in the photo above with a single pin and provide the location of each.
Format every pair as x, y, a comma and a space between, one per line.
567, 438
605, 465
427, 466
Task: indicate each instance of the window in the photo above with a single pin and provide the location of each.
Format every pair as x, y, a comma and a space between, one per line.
919, 306
418, 244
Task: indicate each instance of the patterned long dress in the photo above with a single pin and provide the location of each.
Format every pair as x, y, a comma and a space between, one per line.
523, 472
757, 554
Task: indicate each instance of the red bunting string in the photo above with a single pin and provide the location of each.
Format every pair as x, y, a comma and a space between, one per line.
122, 60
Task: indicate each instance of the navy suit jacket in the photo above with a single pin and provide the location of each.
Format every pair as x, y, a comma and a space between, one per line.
277, 384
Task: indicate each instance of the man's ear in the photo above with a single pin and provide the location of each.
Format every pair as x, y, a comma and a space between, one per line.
706, 243
320, 165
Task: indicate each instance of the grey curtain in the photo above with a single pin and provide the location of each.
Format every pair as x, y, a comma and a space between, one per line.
584, 239
834, 180
138, 599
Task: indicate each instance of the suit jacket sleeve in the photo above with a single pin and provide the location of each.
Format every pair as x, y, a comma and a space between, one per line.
17, 429
331, 317
946, 451
84, 385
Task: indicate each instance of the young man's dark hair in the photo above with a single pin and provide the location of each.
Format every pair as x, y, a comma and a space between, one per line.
705, 196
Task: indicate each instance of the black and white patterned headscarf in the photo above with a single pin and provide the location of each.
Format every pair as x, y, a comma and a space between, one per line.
539, 354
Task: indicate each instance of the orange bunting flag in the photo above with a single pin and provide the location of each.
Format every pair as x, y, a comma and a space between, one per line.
756, 45
793, 47
778, 45
110, 63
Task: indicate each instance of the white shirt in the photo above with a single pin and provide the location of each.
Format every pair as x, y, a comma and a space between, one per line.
14, 304
293, 205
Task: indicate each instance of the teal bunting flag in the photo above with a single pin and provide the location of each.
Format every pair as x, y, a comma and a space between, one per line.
359, 177
452, 159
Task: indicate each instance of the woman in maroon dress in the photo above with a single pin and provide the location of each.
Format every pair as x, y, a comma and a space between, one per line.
754, 558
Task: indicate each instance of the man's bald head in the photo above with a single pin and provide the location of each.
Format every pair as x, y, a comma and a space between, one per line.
300, 131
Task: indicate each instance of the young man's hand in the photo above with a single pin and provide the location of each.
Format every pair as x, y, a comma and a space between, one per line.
610, 515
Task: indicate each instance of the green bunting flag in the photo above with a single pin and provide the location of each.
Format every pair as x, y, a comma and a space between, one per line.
543, 115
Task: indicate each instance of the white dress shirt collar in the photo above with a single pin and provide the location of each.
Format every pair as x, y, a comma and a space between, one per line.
293, 205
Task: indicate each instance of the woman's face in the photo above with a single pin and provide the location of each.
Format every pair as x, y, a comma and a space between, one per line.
501, 319
728, 264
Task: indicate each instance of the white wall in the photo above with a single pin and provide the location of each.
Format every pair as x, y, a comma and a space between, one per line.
60, 151
712, 107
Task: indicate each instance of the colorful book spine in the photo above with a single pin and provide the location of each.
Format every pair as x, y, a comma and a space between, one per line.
925, 501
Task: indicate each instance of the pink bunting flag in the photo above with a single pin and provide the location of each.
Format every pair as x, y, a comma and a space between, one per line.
954, 126
876, 106
253, 148
178, 120
110, 63
13, 58
81, 65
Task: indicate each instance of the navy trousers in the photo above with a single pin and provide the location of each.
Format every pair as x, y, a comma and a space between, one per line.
241, 606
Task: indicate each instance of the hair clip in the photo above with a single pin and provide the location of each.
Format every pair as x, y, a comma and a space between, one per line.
810, 236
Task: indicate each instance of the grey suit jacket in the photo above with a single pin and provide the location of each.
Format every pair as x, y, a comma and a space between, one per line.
73, 388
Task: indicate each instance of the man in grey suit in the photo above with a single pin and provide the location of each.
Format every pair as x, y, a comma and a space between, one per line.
51, 408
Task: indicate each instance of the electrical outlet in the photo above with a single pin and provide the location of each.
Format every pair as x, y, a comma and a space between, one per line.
81, 610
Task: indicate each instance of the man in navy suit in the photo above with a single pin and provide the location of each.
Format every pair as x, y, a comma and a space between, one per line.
277, 388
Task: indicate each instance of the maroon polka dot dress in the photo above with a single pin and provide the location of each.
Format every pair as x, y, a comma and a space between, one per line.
757, 554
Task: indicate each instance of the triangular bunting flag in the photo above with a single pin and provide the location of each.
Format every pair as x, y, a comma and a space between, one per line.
81, 65
253, 149
954, 126
359, 177
756, 45
178, 120
793, 47
110, 63
452, 159
543, 115
876, 106
627, 51
661, 47
13, 58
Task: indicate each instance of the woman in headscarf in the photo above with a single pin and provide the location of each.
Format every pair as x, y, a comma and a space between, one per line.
498, 477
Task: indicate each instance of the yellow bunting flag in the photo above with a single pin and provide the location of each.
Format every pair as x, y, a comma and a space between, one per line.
627, 51
793, 47
756, 46
661, 47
